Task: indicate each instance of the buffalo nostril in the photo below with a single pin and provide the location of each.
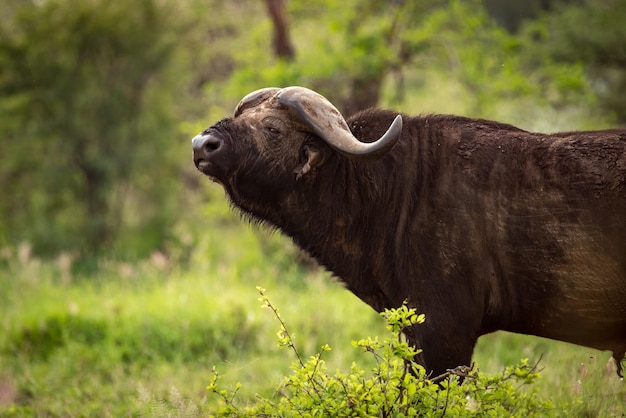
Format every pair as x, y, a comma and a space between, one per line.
211, 145
206, 144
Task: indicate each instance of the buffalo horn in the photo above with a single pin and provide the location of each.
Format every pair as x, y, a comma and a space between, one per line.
255, 98
325, 120
329, 124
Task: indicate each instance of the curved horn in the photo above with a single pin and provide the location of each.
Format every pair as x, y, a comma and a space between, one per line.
254, 98
329, 124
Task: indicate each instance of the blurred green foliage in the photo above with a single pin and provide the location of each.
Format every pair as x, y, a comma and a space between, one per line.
89, 118
593, 35
98, 99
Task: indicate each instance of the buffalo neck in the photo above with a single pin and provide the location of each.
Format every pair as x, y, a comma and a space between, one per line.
344, 230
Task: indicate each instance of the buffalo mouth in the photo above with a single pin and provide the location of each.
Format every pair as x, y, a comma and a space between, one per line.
203, 166
208, 169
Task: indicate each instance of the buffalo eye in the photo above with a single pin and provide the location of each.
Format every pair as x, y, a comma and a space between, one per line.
272, 131
273, 127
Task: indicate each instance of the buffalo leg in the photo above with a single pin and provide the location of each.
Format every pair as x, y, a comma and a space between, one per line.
442, 352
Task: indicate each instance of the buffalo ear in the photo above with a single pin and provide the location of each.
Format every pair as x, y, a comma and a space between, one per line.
310, 158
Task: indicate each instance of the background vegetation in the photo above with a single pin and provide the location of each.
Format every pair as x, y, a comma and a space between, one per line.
123, 277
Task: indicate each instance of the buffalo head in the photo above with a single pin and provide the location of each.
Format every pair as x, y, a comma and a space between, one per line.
279, 135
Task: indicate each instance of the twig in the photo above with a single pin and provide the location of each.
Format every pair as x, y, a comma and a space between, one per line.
460, 371
289, 342
283, 327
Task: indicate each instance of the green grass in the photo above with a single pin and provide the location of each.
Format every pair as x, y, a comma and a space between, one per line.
130, 339
141, 339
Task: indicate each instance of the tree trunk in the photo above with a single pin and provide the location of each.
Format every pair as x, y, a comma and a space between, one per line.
283, 47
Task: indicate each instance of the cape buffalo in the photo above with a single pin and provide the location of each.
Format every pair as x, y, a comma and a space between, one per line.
480, 225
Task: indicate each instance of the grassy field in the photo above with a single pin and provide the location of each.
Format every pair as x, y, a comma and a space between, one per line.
141, 339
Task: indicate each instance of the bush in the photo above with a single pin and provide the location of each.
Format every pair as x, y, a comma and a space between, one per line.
396, 387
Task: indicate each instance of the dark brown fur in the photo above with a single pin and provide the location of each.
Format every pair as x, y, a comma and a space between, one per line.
479, 225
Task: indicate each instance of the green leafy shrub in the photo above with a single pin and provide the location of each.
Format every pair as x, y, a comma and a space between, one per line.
396, 387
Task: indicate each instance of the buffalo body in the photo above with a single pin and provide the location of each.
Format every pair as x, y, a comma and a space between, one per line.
480, 225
